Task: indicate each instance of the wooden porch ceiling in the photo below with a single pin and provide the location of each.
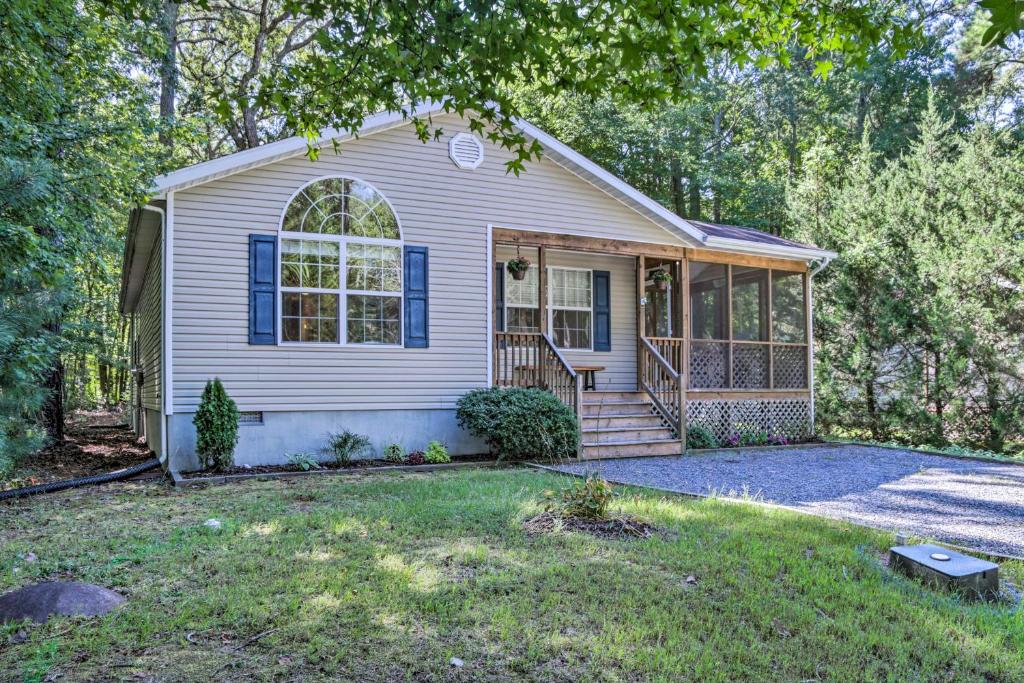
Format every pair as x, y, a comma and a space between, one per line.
600, 245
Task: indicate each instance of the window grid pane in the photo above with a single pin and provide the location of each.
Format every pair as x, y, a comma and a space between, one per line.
309, 317
571, 329
374, 268
525, 292
339, 206
523, 320
373, 319
570, 288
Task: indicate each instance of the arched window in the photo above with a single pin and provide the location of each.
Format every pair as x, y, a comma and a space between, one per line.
341, 265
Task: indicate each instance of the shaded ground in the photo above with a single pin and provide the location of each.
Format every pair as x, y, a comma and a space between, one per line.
388, 577
965, 502
93, 444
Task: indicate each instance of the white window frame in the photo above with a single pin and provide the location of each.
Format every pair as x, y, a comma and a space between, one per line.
589, 309
508, 280
342, 291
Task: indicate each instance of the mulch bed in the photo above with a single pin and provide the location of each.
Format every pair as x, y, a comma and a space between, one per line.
325, 465
86, 450
616, 528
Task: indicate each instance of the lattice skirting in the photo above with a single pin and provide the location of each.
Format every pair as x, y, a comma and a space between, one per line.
790, 417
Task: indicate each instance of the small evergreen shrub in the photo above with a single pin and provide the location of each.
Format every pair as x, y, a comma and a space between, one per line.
415, 458
216, 422
394, 452
699, 436
519, 424
304, 461
346, 446
588, 500
436, 453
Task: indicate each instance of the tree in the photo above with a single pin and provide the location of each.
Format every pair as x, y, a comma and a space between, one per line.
920, 321
72, 159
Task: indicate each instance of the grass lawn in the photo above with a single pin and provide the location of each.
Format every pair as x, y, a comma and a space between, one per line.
387, 577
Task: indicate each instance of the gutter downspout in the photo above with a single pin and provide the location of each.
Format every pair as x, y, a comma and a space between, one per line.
817, 268
163, 337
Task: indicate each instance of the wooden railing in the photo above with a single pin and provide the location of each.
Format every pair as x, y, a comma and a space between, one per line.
664, 385
672, 349
523, 359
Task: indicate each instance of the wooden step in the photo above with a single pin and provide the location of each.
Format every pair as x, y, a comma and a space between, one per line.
598, 396
647, 419
632, 449
617, 408
607, 435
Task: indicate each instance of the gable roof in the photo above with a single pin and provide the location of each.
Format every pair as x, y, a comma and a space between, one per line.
708, 235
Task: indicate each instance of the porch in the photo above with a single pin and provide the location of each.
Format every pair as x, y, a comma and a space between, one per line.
685, 336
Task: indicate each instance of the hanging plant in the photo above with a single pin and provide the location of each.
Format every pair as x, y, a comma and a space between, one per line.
663, 279
518, 267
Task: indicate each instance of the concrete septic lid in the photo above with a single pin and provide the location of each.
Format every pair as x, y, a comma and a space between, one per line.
69, 598
957, 565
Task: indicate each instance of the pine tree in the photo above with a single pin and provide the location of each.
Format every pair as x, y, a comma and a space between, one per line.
216, 422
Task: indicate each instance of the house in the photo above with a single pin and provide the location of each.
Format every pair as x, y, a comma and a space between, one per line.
367, 290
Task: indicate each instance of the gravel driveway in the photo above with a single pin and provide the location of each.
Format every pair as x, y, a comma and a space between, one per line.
965, 502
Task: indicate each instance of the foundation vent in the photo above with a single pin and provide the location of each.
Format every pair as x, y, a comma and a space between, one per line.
250, 417
466, 151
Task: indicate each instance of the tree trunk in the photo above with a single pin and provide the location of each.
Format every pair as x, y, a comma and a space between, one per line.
938, 404
871, 406
996, 440
678, 194
52, 413
168, 72
694, 190
716, 201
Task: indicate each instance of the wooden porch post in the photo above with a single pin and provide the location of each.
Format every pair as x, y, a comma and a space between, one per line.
542, 287
728, 320
641, 317
684, 351
771, 346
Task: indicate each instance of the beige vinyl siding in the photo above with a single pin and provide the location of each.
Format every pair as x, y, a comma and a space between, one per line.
620, 362
440, 206
151, 330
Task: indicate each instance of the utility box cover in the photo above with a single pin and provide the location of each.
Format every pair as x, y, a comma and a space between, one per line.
971, 576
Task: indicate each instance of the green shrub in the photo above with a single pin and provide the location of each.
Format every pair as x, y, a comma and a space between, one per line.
520, 423
304, 461
699, 436
436, 453
346, 446
216, 422
589, 499
394, 452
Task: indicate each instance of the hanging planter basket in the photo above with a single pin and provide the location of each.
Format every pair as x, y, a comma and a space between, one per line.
518, 267
663, 279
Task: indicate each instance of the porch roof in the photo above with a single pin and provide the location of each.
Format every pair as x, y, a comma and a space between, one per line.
737, 232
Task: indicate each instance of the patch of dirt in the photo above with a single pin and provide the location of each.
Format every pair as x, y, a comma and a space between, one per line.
87, 449
616, 528
325, 465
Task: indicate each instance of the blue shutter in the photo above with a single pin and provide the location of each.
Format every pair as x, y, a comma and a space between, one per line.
602, 311
262, 289
417, 318
499, 297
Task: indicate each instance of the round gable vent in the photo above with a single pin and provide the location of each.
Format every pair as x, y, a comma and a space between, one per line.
466, 151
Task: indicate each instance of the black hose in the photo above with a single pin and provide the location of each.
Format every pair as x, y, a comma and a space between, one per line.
83, 481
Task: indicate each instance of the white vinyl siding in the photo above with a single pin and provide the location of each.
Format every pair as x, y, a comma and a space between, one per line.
441, 207
150, 330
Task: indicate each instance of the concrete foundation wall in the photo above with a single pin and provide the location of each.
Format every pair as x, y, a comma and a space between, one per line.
283, 433
152, 426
